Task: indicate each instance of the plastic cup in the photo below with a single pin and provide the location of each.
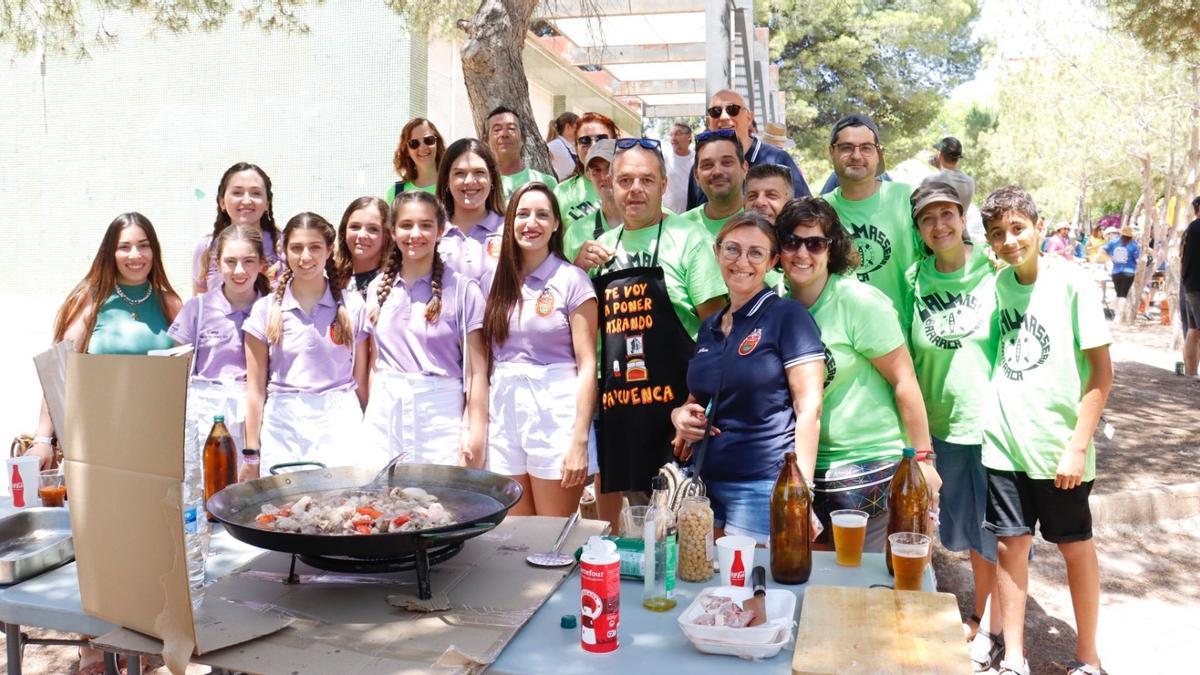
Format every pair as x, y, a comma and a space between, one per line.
849, 533
729, 548
22, 476
53, 489
910, 550
633, 522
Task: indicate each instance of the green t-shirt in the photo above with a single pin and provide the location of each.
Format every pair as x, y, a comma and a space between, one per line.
883, 232
513, 182
1041, 371
859, 419
773, 278
953, 343
685, 253
409, 186
581, 233
578, 202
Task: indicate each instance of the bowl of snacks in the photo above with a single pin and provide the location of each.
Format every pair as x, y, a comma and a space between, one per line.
718, 615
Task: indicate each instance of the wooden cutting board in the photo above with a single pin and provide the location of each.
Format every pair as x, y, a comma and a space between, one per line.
877, 630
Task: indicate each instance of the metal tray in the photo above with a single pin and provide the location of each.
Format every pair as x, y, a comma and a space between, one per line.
33, 541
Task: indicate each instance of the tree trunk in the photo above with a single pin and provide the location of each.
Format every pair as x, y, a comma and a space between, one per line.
494, 70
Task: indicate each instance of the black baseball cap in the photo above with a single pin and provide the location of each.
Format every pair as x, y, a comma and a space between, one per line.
950, 147
854, 120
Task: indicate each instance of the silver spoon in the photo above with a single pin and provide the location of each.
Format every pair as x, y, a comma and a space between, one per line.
555, 557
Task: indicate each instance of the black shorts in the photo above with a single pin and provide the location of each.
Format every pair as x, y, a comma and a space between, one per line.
1017, 503
1121, 283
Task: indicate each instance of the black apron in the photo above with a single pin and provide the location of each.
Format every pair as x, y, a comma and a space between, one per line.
644, 354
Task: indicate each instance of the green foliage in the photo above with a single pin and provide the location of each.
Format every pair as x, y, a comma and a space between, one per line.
896, 60
1168, 27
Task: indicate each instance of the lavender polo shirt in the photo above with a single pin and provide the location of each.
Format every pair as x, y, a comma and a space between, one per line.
407, 343
538, 329
212, 275
220, 354
307, 360
473, 255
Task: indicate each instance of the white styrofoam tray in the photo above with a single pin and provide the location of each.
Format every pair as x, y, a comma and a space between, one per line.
781, 606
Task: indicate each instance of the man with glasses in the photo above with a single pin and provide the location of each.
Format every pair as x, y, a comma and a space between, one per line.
876, 213
679, 166
727, 110
659, 282
507, 142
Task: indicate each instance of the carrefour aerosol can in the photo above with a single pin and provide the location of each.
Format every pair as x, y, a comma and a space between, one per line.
600, 596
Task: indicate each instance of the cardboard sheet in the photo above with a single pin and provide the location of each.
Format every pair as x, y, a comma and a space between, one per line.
51, 368
349, 624
124, 467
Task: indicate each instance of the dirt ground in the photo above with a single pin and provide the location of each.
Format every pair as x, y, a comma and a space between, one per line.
1149, 586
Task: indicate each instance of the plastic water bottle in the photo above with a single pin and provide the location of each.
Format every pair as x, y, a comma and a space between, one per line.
195, 524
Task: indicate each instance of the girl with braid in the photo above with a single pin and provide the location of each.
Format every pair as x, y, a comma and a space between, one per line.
540, 323
362, 242
427, 352
212, 324
243, 198
469, 189
306, 359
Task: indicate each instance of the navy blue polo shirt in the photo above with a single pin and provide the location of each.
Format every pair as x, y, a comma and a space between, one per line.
755, 415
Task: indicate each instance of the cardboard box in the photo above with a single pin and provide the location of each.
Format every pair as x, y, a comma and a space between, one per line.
360, 624
124, 421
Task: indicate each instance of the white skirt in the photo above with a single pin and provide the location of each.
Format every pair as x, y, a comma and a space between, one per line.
415, 418
325, 428
207, 399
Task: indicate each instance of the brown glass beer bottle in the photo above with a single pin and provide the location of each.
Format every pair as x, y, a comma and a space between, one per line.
220, 461
791, 529
908, 501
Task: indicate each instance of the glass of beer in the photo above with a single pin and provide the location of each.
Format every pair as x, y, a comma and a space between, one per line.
849, 533
910, 550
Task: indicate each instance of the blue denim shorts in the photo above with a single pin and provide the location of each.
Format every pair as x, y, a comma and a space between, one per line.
742, 507
964, 498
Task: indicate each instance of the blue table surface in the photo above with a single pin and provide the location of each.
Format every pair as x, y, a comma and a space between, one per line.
653, 641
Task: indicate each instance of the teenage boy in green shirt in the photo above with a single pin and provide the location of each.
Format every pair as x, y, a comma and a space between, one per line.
1049, 385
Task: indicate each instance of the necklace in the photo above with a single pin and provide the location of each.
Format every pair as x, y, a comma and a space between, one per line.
133, 304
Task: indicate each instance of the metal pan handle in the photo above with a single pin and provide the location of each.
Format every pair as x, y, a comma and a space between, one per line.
472, 531
278, 468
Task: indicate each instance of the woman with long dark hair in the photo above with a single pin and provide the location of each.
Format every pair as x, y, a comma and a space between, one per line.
362, 239
540, 324
469, 189
244, 197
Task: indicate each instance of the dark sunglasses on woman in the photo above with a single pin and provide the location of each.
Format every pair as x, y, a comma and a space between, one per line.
815, 245
414, 143
585, 141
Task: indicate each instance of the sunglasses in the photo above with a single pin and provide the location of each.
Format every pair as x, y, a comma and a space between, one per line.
731, 109
647, 143
414, 143
815, 245
706, 136
585, 141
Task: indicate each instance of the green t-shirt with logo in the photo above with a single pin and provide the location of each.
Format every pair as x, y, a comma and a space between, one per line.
953, 343
883, 232
1041, 370
577, 202
581, 233
513, 182
859, 418
773, 278
409, 186
685, 252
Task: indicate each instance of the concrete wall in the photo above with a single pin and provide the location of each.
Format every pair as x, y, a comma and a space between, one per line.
150, 124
